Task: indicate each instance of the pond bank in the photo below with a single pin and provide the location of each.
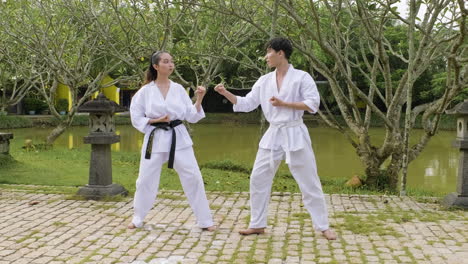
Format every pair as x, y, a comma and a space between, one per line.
435, 169
24, 121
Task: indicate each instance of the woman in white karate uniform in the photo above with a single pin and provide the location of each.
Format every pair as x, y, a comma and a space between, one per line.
157, 110
284, 95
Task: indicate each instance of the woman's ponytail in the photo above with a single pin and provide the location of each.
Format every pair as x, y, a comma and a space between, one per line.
152, 73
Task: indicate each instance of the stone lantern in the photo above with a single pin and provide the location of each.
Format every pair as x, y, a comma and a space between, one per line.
5, 143
460, 198
101, 135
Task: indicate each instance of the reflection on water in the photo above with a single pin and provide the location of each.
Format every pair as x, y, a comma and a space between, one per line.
434, 169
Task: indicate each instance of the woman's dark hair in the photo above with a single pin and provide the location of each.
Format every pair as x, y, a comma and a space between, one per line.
152, 73
280, 43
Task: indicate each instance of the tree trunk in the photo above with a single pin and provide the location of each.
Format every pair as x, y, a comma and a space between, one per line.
379, 177
62, 126
372, 168
56, 132
373, 175
394, 168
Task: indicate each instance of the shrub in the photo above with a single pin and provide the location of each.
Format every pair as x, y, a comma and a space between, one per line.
6, 160
61, 105
227, 165
33, 104
14, 122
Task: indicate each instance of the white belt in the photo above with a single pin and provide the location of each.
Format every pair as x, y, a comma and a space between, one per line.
276, 126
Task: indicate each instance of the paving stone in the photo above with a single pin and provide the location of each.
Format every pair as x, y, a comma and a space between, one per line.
170, 235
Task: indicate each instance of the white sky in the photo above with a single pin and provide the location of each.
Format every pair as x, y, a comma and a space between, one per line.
403, 8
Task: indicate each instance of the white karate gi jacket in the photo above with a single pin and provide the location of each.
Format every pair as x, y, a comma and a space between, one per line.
149, 103
286, 129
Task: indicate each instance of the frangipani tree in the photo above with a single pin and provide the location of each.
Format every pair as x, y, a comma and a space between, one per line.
18, 74
63, 36
351, 36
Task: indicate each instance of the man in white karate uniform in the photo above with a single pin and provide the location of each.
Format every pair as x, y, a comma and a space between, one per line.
284, 95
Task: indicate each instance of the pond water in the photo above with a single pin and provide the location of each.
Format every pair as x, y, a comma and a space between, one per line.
434, 169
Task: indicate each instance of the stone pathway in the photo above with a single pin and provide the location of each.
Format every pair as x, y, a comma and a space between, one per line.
372, 229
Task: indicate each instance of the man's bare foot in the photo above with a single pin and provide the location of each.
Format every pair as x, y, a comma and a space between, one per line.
329, 234
252, 231
210, 228
131, 226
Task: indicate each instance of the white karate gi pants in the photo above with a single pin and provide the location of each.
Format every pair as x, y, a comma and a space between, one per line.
304, 170
147, 185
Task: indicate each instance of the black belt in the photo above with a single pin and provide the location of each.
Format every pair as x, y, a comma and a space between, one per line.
166, 126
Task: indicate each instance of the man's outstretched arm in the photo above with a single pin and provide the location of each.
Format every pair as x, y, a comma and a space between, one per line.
224, 92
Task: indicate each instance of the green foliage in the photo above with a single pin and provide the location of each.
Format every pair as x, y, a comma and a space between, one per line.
227, 165
198, 36
10, 121
438, 86
61, 105
34, 104
6, 160
14, 122
381, 181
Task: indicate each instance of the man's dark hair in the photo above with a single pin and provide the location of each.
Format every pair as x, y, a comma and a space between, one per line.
280, 44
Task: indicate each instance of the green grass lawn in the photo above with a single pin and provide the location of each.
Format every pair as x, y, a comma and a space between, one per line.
63, 167
67, 169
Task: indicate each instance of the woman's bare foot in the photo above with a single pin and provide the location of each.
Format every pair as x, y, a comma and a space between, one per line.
131, 226
252, 231
210, 228
329, 234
